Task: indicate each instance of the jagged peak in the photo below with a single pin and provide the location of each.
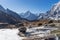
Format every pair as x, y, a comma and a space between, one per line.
56, 7
28, 12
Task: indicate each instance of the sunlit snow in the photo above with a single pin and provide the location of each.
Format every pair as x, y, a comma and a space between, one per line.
9, 34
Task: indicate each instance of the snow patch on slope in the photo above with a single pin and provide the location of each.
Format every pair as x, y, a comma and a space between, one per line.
9, 34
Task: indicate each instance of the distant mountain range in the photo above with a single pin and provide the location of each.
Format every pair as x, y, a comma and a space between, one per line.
29, 16
9, 16
53, 14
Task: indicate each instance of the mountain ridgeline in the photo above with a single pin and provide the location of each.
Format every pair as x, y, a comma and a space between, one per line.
8, 16
11, 17
53, 14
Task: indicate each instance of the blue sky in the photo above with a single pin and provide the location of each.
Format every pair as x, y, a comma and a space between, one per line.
35, 6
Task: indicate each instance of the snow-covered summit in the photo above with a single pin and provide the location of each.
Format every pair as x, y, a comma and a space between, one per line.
29, 15
55, 11
55, 8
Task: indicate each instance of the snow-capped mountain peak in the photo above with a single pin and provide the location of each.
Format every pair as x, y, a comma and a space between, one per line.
29, 16
55, 8
55, 11
57, 5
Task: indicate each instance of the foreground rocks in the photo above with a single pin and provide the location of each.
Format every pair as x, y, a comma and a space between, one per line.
22, 31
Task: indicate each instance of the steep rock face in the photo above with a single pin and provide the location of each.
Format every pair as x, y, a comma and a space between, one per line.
4, 17
55, 9
2, 9
55, 12
9, 16
14, 15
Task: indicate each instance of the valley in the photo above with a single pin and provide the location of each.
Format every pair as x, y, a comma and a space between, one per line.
29, 25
